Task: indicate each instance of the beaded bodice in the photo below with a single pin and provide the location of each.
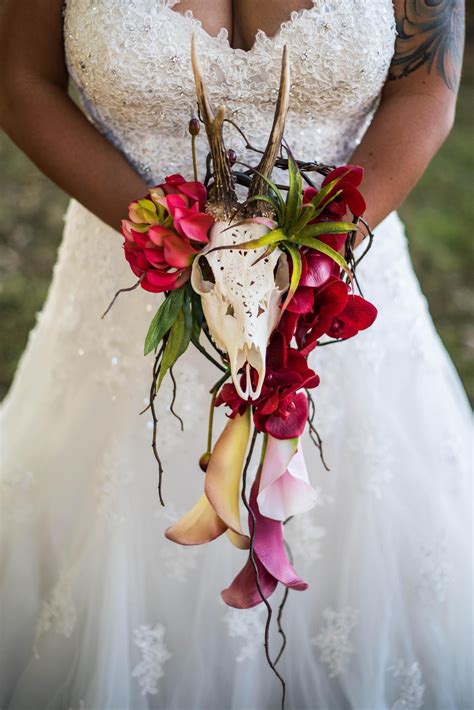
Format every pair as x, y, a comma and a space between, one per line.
130, 60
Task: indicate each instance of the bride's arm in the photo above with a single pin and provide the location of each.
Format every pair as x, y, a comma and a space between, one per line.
418, 102
36, 112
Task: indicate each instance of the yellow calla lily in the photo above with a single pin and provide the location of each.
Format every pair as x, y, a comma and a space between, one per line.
224, 471
240, 541
199, 525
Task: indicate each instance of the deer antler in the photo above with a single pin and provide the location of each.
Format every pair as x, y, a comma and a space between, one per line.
258, 186
223, 200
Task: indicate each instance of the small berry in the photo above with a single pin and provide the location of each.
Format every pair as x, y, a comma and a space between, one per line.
231, 157
204, 461
194, 126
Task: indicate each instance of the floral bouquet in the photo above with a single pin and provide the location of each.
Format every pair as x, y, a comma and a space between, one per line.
264, 282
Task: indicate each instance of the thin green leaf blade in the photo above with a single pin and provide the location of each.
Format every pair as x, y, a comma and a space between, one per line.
294, 197
297, 265
172, 347
318, 245
315, 230
273, 237
164, 319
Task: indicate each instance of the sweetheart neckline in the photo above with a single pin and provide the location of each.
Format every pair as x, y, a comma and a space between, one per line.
223, 33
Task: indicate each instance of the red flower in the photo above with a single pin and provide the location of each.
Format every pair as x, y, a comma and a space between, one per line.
334, 311
160, 244
307, 326
357, 315
280, 410
349, 198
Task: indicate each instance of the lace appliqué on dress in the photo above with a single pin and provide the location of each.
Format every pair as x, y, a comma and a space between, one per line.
411, 688
334, 640
58, 612
247, 625
150, 641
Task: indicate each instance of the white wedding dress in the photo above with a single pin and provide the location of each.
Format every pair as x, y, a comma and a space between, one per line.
98, 610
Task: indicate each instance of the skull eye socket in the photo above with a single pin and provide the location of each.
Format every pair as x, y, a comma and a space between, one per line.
206, 270
203, 279
281, 272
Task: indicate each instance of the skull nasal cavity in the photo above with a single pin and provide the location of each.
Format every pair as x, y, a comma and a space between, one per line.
230, 310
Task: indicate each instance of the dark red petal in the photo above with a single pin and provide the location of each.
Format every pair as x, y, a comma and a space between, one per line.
308, 194
352, 173
287, 324
292, 425
354, 199
302, 301
318, 270
174, 179
360, 311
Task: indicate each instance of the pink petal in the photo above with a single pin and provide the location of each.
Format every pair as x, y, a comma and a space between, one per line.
158, 233
243, 592
196, 191
269, 546
174, 179
194, 226
172, 202
285, 489
164, 280
155, 257
178, 252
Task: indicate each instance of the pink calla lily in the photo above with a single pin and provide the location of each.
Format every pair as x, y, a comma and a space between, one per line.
285, 489
270, 557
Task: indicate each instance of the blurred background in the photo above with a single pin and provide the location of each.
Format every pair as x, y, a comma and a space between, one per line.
439, 217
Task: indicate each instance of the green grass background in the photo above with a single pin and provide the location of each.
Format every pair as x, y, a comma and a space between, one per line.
439, 217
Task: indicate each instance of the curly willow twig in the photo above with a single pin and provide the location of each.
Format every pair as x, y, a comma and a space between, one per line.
254, 565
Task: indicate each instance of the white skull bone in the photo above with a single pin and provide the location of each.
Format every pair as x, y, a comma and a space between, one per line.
241, 299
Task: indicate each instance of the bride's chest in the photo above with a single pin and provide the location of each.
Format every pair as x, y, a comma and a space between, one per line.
136, 53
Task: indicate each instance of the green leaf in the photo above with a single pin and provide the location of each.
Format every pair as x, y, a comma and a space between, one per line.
178, 340
164, 319
188, 323
294, 196
324, 249
274, 189
297, 264
265, 198
147, 205
197, 314
272, 237
315, 230
172, 347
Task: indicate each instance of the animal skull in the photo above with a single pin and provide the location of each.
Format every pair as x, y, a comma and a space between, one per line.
240, 290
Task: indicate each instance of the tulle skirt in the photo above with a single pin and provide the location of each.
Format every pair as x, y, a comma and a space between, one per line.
101, 612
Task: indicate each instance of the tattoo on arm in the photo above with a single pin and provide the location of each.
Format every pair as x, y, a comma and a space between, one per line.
430, 34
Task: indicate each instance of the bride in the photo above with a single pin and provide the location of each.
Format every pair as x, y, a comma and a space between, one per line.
99, 610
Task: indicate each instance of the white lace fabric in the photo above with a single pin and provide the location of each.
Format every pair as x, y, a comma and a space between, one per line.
132, 66
101, 611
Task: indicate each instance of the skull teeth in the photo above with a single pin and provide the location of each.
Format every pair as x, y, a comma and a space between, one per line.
248, 358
